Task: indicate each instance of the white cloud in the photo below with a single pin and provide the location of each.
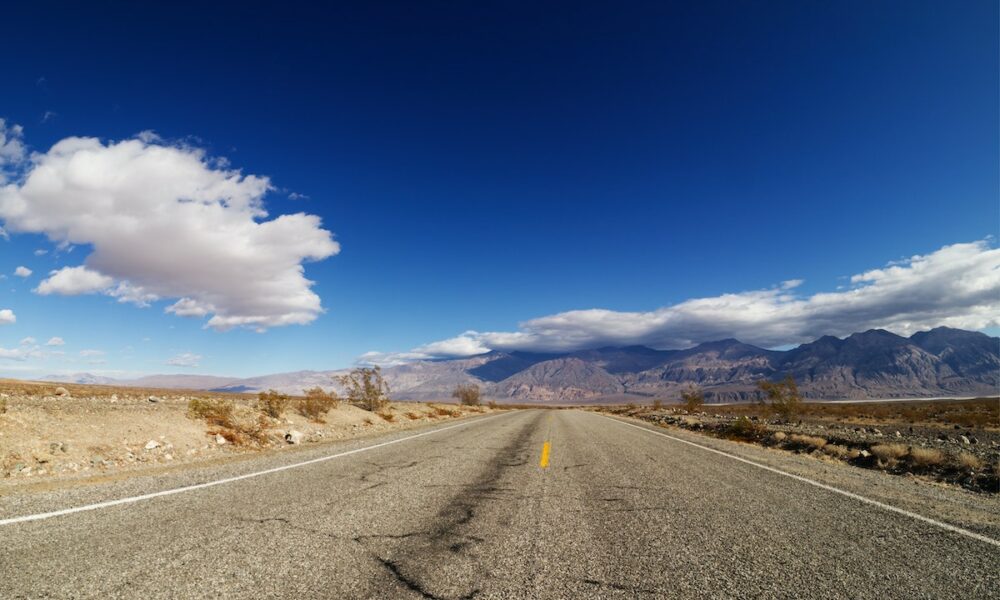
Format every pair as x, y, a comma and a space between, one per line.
41, 252
22, 272
71, 281
166, 222
91, 352
29, 341
7, 317
55, 341
12, 151
185, 359
955, 286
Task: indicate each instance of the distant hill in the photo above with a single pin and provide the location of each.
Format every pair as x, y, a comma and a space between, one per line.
872, 364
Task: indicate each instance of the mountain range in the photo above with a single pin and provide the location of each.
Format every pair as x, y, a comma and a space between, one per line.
941, 362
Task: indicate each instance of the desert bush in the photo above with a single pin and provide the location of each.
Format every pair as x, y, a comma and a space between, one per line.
657, 404
3, 405
926, 457
366, 388
778, 437
692, 399
836, 450
388, 416
412, 416
444, 412
316, 403
492, 404
468, 395
745, 429
807, 441
272, 403
889, 453
783, 397
968, 462
218, 413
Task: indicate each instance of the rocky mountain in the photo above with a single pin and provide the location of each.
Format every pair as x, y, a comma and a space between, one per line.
874, 364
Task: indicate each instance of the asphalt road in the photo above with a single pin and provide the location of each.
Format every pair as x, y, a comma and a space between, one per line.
470, 512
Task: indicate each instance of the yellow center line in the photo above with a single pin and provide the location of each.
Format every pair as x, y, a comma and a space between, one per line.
545, 455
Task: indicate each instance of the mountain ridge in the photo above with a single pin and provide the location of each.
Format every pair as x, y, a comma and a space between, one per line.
871, 364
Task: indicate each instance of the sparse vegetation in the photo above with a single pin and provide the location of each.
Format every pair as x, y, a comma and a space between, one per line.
836, 450
745, 429
272, 403
221, 417
218, 413
926, 457
412, 416
3, 405
468, 395
366, 388
657, 404
388, 416
692, 399
889, 454
968, 462
316, 403
810, 442
783, 397
492, 404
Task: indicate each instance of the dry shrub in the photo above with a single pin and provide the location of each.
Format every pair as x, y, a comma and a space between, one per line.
412, 416
467, 394
745, 429
492, 404
3, 405
218, 413
778, 436
272, 403
657, 404
692, 399
444, 412
926, 457
783, 397
369, 422
807, 441
836, 450
316, 403
968, 462
366, 388
388, 416
889, 453
221, 416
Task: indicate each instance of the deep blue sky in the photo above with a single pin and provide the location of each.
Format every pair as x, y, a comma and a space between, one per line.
482, 164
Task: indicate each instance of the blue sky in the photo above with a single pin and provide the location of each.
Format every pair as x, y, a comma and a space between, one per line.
486, 165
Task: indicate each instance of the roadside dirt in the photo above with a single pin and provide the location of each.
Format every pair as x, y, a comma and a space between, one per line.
56, 432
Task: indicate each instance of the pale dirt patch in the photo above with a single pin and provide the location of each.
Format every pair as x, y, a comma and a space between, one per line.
96, 431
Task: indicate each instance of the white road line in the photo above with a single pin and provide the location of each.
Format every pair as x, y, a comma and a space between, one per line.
198, 486
882, 505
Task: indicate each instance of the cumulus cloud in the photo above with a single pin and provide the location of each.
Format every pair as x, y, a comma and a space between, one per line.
955, 286
22, 272
7, 317
185, 359
167, 222
55, 341
29, 341
12, 150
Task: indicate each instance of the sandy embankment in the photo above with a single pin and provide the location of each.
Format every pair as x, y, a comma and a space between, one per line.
99, 430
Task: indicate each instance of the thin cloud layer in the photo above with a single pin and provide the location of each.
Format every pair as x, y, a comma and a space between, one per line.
166, 222
956, 286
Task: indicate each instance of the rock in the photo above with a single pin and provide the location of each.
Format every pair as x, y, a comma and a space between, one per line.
57, 446
219, 439
974, 440
294, 437
865, 454
964, 440
61, 391
899, 435
152, 444
153, 399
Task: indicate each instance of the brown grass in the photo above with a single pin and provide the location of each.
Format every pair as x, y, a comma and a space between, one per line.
388, 416
3, 405
889, 453
807, 441
926, 457
745, 429
968, 462
836, 450
412, 416
220, 414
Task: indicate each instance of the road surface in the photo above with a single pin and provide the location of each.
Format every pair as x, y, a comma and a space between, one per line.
525, 504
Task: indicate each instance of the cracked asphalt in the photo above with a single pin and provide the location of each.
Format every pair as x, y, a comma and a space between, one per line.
469, 513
